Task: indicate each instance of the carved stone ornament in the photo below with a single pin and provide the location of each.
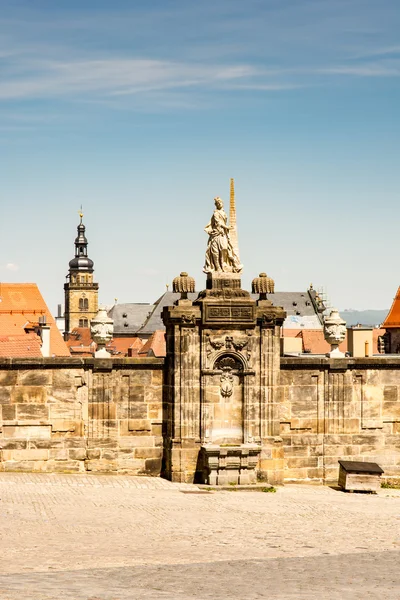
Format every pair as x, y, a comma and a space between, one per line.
188, 319
228, 362
229, 342
226, 382
268, 319
184, 284
334, 332
101, 330
263, 285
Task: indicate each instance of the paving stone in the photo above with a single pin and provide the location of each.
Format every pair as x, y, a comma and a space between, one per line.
114, 537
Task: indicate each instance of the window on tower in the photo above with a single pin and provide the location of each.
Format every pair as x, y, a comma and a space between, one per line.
83, 323
83, 304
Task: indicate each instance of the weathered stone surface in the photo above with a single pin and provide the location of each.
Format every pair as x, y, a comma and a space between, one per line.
118, 417
25, 454
5, 395
29, 395
29, 412
8, 378
8, 412
39, 377
77, 453
148, 453
139, 425
93, 453
27, 432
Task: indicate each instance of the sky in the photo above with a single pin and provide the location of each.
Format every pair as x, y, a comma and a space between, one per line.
142, 110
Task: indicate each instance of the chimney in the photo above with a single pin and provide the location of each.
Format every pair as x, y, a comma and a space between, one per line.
45, 335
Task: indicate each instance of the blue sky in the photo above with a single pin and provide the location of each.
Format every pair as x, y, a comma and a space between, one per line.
143, 110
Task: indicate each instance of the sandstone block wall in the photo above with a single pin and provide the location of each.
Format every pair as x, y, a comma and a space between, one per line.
339, 409
75, 414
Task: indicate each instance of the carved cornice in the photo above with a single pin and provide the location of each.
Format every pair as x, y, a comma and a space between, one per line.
270, 317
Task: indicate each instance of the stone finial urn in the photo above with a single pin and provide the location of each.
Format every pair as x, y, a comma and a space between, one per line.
184, 284
334, 332
101, 330
263, 285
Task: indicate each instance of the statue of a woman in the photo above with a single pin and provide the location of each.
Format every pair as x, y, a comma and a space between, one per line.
220, 254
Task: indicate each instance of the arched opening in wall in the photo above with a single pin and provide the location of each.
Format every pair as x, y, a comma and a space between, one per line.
227, 401
83, 323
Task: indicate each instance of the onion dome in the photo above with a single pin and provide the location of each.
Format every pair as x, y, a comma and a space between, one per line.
263, 285
183, 284
81, 261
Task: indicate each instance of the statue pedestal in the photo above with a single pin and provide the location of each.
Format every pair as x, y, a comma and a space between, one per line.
229, 465
335, 352
102, 353
223, 281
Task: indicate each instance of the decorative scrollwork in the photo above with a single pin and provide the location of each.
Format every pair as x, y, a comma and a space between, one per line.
188, 319
230, 342
228, 362
268, 319
226, 383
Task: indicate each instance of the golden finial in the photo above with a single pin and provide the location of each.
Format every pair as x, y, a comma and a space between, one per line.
80, 213
167, 286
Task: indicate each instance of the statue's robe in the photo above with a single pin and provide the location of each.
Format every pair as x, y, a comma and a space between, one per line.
220, 255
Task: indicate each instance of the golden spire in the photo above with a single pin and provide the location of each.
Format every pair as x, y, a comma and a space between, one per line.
232, 219
80, 213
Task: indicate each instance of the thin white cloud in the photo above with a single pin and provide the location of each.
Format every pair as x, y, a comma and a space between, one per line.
114, 77
12, 267
363, 70
377, 52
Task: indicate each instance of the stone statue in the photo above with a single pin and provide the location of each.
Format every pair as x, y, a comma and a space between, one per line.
101, 330
334, 332
220, 254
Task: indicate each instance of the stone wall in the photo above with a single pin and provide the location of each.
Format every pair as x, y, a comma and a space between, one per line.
77, 414
335, 409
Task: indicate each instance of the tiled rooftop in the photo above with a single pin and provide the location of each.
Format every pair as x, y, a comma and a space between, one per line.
21, 304
393, 318
17, 346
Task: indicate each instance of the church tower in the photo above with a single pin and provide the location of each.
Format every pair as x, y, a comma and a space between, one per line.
81, 294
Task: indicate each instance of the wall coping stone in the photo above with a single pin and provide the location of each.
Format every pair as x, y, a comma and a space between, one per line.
85, 363
320, 362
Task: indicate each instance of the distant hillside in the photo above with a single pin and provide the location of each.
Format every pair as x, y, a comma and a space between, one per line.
364, 317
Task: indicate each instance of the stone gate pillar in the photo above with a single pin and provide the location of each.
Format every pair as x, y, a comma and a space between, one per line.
221, 413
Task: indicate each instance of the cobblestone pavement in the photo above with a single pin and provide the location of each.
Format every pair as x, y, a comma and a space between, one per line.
99, 537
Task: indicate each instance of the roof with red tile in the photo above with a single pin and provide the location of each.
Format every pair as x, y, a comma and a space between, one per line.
155, 345
127, 346
314, 342
17, 346
393, 318
80, 342
21, 305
